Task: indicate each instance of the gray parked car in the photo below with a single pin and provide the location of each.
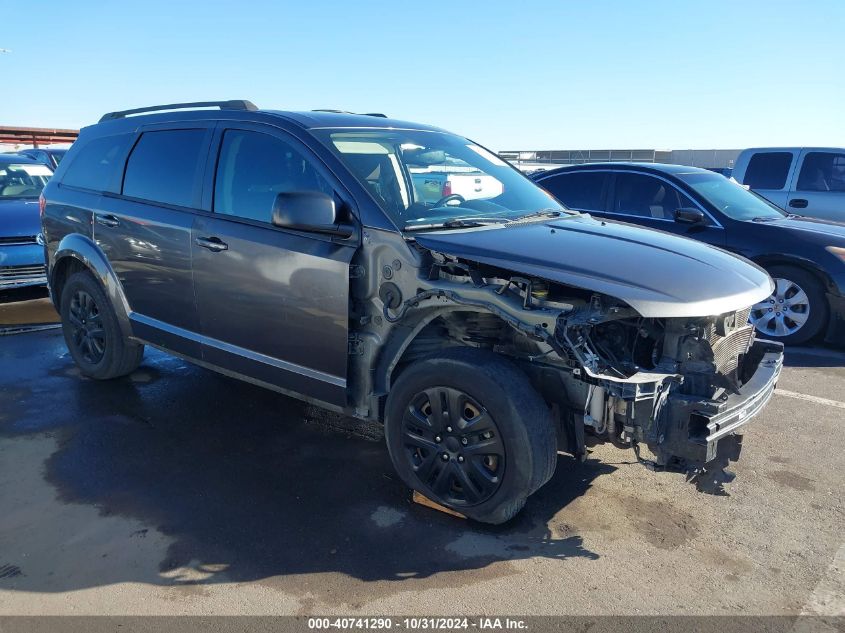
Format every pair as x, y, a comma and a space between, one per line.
293, 250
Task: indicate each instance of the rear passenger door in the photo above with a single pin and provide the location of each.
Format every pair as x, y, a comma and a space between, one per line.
145, 231
273, 302
652, 201
578, 190
819, 191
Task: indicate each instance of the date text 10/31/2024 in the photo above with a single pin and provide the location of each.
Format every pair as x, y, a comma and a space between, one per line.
419, 623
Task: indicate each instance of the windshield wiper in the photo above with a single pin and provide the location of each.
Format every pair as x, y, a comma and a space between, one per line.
456, 223
544, 213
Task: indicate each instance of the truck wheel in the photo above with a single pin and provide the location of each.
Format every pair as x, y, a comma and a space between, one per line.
796, 311
92, 332
466, 429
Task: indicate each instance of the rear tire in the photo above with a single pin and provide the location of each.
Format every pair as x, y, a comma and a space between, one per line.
92, 332
468, 430
796, 312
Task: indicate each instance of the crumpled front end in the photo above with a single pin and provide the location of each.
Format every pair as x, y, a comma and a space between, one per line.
682, 387
696, 428
679, 388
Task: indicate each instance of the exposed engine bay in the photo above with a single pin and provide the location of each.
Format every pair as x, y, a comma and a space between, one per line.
609, 374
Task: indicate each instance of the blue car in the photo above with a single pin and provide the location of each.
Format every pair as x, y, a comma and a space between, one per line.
49, 156
21, 243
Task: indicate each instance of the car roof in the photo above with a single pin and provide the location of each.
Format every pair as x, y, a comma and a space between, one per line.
18, 159
655, 168
321, 119
793, 149
314, 119
49, 150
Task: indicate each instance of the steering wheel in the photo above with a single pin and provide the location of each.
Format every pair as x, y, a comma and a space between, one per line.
451, 196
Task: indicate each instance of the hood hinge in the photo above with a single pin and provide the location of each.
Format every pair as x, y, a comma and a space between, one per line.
356, 345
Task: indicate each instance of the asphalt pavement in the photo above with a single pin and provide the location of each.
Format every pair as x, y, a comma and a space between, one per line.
179, 491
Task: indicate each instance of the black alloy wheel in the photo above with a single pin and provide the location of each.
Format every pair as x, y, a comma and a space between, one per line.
454, 446
86, 324
92, 332
467, 429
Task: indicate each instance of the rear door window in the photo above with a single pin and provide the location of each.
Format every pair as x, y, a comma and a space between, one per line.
164, 165
253, 168
578, 190
768, 170
648, 197
822, 171
96, 165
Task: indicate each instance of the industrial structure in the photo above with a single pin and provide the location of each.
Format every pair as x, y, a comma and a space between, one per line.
13, 138
720, 159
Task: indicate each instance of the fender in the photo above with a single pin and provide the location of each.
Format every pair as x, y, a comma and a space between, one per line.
399, 340
779, 259
84, 250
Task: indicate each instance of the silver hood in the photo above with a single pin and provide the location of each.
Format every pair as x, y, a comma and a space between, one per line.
658, 274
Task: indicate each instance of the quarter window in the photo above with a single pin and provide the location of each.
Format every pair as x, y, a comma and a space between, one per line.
97, 163
253, 168
822, 171
163, 166
648, 197
768, 170
577, 190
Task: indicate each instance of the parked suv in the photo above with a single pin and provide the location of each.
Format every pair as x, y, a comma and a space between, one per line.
290, 249
807, 181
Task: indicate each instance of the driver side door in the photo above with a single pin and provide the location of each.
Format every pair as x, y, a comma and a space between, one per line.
273, 302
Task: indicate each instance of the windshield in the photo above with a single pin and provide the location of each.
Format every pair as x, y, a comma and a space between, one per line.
731, 198
425, 178
22, 180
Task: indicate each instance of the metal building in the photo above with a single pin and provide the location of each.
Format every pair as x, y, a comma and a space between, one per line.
545, 159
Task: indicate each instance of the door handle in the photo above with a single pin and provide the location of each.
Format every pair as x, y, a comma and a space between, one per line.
107, 220
798, 203
212, 243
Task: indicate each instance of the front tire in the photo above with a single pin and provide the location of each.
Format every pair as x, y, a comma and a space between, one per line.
797, 310
468, 430
92, 332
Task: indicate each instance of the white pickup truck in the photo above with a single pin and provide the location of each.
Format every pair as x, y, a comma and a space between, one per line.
437, 182
802, 180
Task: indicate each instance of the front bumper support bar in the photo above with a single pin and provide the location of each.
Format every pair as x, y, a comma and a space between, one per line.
694, 426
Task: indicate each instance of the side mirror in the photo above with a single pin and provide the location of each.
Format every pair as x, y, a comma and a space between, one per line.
689, 216
309, 211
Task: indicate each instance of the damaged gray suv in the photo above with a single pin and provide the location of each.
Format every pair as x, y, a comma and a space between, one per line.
398, 273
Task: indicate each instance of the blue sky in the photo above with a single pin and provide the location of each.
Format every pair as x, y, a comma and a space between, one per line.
510, 74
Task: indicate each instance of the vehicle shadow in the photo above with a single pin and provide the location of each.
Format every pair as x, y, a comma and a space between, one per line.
813, 357
245, 480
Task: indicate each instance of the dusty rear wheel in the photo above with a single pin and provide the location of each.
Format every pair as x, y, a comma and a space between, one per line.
92, 333
467, 429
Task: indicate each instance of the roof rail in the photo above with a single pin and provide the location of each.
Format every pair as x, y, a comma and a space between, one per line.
235, 104
378, 114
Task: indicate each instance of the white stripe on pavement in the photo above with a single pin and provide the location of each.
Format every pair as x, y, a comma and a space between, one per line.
828, 598
815, 399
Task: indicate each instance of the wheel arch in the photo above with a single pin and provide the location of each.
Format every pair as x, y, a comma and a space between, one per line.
398, 343
77, 253
807, 265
